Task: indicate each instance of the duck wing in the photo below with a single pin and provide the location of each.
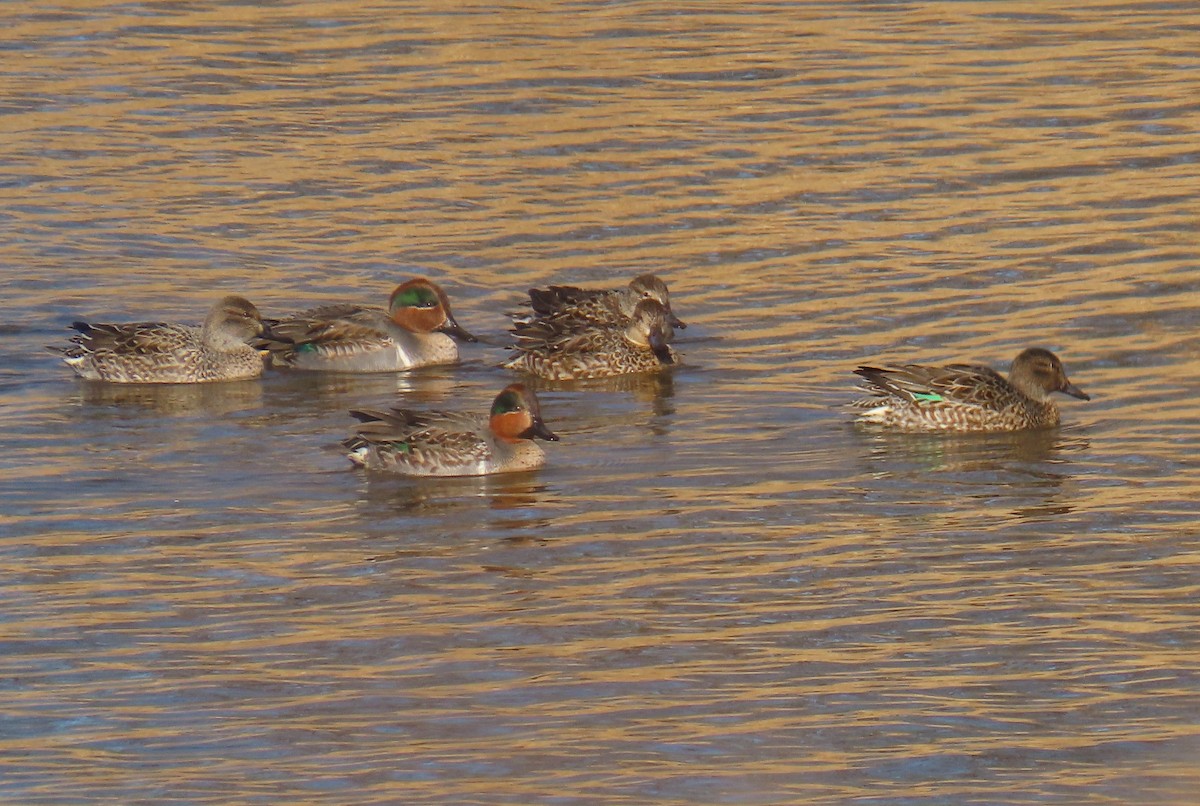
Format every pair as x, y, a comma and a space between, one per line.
134, 338
331, 330
968, 384
420, 439
548, 301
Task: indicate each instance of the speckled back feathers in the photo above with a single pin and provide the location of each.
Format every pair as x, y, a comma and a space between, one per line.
160, 352
966, 397
446, 443
587, 307
569, 349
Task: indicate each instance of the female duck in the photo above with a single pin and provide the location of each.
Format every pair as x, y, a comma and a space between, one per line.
440, 443
599, 307
559, 349
966, 397
410, 333
159, 352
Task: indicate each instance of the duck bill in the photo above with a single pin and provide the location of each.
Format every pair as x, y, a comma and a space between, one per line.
675, 321
658, 345
1071, 389
539, 430
453, 328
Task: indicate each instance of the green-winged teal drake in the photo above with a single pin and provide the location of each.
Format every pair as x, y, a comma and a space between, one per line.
966, 397
158, 352
410, 332
439, 443
570, 349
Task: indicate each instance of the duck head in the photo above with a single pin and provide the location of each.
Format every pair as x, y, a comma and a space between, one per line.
421, 306
516, 415
1038, 372
651, 328
648, 286
233, 321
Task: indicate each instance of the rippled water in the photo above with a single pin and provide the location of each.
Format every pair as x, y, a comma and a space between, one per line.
717, 591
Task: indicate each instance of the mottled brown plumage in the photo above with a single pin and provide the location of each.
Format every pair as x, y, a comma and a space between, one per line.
966, 397
584, 307
413, 331
443, 443
559, 349
160, 352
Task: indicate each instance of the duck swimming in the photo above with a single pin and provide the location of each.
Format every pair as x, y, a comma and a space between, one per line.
413, 331
441, 443
966, 397
572, 349
601, 307
160, 352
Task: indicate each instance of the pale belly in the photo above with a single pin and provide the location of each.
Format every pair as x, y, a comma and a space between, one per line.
390, 357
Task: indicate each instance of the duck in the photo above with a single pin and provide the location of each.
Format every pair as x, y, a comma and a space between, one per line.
160, 352
601, 307
413, 331
443, 443
966, 397
571, 349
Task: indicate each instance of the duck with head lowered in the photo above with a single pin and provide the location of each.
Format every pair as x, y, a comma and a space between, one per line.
162, 352
571, 349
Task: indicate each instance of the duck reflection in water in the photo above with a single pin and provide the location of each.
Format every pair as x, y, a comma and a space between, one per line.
517, 498
977, 452
654, 389
1031, 469
213, 399
294, 396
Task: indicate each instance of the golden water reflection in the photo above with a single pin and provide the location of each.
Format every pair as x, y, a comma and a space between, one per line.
718, 590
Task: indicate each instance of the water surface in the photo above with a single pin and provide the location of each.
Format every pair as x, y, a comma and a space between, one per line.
717, 591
